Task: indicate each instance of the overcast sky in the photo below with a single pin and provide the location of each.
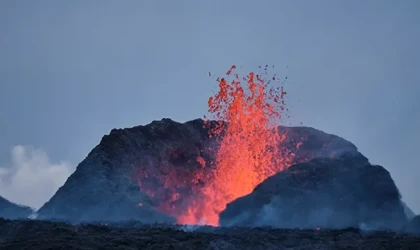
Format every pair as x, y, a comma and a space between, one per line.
70, 71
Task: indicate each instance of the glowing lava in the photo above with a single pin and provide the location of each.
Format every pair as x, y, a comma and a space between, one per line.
250, 145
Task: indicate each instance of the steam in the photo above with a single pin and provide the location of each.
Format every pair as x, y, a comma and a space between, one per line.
190, 228
32, 179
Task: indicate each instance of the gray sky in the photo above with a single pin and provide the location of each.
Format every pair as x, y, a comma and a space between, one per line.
70, 71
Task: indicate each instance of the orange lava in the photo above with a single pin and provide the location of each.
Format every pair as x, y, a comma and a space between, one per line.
250, 144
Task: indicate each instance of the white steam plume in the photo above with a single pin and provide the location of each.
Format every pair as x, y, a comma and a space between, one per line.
32, 179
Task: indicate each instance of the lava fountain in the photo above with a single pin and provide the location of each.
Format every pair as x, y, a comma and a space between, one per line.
249, 110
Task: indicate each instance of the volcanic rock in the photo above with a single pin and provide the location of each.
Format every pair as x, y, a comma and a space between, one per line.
100, 190
149, 172
341, 192
10, 210
34, 234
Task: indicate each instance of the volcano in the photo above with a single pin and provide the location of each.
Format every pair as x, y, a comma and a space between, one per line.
155, 173
194, 172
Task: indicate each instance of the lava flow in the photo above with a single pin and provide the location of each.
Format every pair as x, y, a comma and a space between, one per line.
249, 110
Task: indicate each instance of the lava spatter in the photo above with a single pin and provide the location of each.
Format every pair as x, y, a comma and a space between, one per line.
249, 110
243, 120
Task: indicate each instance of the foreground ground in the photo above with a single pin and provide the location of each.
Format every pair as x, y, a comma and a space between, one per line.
50, 235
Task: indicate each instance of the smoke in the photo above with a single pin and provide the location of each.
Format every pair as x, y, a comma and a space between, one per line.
32, 179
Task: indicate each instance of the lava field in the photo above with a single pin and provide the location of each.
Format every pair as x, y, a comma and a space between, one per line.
19, 234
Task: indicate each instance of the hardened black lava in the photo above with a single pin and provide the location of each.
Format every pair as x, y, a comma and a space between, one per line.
21, 234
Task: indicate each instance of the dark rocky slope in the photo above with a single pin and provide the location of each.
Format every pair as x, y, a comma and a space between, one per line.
10, 210
162, 157
327, 192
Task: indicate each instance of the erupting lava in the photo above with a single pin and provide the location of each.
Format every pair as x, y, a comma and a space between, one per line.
250, 145
250, 148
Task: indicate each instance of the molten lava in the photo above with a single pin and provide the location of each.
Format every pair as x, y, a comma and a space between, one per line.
250, 149
250, 145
